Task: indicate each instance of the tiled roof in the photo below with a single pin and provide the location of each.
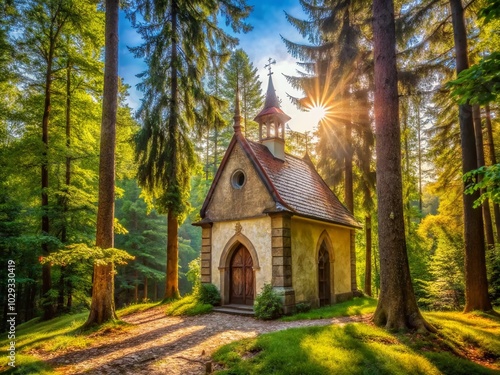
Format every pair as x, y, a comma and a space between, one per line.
300, 188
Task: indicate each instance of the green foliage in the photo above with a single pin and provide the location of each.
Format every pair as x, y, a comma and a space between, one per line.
78, 252
209, 294
486, 179
442, 237
356, 306
365, 349
240, 72
480, 84
194, 273
268, 304
493, 263
302, 307
145, 240
189, 305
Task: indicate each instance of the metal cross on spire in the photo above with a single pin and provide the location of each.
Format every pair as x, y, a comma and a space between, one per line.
268, 66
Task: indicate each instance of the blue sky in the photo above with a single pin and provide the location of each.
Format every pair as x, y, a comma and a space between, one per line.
262, 43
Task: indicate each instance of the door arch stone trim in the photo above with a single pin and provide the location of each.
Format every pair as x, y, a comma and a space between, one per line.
225, 263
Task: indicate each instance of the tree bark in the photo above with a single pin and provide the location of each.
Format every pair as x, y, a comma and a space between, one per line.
478, 130
368, 256
348, 181
145, 297
476, 284
397, 307
102, 307
493, 160
419, 140
172, 280
48, 308
64, 200
172, 277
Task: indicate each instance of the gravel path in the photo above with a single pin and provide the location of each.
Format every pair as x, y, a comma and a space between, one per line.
168, 345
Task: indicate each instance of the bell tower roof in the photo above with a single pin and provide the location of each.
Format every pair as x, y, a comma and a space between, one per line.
272, 121
272, 104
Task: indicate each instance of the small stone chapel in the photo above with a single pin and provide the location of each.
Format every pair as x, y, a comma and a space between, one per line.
269, 218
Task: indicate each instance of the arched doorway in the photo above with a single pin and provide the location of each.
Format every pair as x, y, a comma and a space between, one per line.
324, 276
241, 277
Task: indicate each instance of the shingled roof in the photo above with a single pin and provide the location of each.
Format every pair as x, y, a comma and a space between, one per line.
294, 184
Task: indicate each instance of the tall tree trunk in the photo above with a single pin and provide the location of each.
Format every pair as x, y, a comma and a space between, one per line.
493, 160
397, 307
172, 280
102, 307
65, 199
406, 197
419, 140
216, 153
172, 277
206, 155
48, 308
478, 130
145, 298
349, 195
136, 289
368, 255
476, 285
348, 181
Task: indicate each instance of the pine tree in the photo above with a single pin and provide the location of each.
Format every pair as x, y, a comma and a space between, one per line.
397, 307
240, 73
177, 39
476, 284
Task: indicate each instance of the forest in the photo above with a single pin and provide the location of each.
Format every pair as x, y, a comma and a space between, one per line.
69, 152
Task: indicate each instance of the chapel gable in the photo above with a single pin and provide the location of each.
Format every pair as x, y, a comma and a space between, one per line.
239, 192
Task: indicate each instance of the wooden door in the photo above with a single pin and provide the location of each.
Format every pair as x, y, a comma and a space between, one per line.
242, 290
324, 276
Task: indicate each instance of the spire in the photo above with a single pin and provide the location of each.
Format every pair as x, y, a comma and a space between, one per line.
272, 120
237, 115
271, 98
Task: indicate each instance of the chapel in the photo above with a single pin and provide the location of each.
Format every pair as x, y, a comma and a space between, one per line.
269, 218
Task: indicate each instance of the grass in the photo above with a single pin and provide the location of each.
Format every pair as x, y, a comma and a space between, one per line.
356, 306
134, 308
59, 334
188, 305
364, 349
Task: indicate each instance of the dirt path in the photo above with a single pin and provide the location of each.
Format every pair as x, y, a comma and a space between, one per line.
168, 345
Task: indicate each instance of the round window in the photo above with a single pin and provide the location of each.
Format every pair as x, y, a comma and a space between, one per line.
238, 179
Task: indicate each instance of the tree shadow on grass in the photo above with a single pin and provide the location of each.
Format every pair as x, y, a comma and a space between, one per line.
351, 349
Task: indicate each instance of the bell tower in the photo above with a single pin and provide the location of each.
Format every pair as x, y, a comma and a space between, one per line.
272, 121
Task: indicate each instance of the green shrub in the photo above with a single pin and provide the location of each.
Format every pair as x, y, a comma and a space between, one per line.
209, 294
268, 304
302, 307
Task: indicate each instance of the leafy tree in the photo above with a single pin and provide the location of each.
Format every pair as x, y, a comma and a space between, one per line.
46, 33
397, 306
177, 40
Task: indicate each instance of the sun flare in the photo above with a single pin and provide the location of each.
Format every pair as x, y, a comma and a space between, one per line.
317, 114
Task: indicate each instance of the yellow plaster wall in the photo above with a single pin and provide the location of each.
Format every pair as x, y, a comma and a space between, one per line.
258, 231
305, 236
251, 200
